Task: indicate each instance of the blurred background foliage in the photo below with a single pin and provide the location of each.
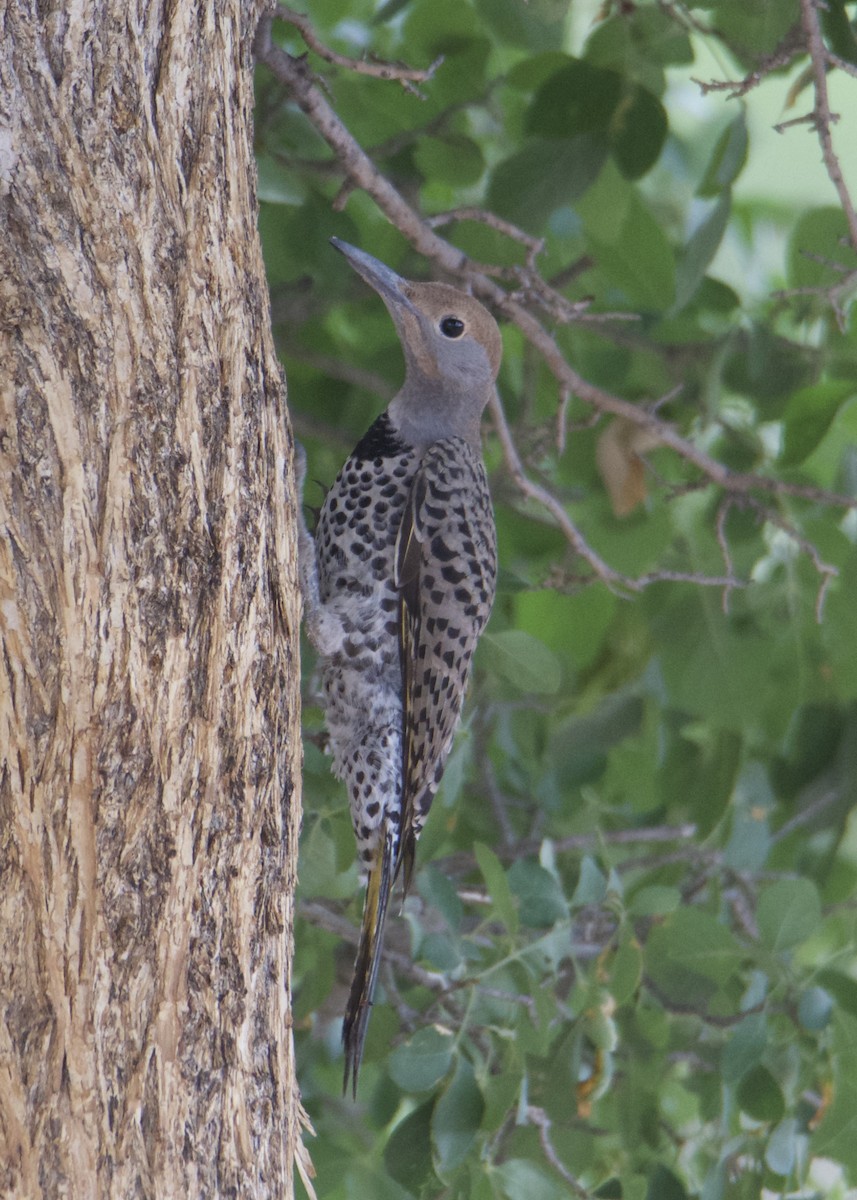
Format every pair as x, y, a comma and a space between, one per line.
628, 966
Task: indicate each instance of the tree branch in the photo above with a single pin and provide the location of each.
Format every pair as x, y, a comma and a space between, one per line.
362, 173
406, 76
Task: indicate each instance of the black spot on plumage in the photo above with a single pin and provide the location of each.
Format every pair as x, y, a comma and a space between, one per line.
440, 550
452, 575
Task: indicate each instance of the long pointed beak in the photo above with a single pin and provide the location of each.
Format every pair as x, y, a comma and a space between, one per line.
389, 286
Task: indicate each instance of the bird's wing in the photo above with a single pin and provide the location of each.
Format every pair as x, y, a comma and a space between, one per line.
446, 567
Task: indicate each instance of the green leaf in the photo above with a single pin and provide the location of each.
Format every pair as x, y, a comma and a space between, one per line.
842, 987
696, 256
540, 898
820, 238
808, 416
690, 952
760, 1096
836, 1137
752, 28
664, 1185
727, 159
591, 885
789, 912
455, 159
629, 245
745, 1047
517, 1178
637, 132
815, 1009
579, 98
654, 901
839, 30
456, 1119
497, 883
277, 185
524, 661
783, 1148
407, 1155
543, 176
530, 73
423, 1061
436, 889
625, 971
534, 26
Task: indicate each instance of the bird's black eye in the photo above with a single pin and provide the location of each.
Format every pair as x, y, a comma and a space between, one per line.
452, 327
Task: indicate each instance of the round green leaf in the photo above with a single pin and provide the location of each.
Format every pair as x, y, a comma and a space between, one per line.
815, 1008
637, 132
423, 1061
781, 1151
579, 98
789, 912
760, 1096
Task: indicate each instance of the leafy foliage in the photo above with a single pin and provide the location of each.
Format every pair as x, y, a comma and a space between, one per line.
633, 932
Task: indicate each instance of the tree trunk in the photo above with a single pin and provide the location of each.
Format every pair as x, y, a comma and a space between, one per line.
149, 706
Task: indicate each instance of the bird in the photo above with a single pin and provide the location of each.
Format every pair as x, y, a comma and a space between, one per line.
397, 583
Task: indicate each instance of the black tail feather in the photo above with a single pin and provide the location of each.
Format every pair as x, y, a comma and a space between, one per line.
368, 960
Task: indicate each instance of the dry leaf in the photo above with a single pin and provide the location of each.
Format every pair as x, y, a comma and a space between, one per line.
620, 465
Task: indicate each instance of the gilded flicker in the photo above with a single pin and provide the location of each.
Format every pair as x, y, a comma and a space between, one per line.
398, 584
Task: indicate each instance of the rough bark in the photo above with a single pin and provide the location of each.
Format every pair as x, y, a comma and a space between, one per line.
149, 712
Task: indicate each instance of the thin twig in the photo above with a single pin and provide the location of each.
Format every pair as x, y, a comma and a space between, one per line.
407, 76
542, 1122
723, 543
484, 217
323, 918
789, 48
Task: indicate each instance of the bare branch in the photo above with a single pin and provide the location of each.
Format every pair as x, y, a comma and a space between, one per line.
790, 48
406, 76
484, 217
822, 116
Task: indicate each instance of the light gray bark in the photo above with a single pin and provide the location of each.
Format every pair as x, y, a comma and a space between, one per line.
149, 706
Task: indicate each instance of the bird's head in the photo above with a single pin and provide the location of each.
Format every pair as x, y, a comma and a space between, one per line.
452, 350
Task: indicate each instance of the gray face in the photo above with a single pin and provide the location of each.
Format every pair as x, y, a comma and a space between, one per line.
452, 351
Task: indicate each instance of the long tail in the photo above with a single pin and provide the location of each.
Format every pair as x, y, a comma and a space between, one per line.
359, 1005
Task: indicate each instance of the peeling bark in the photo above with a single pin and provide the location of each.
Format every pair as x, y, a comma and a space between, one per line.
149, 706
